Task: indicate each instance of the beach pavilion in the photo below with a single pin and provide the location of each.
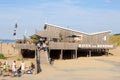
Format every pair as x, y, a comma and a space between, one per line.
65, 43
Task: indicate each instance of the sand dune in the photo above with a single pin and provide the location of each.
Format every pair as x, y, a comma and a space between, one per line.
116, 51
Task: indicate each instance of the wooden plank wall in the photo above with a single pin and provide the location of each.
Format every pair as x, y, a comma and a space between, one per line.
54, 32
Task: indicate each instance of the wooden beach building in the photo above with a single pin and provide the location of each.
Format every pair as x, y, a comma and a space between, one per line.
65, 43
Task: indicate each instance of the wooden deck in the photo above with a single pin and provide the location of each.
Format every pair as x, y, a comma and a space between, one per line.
75, 46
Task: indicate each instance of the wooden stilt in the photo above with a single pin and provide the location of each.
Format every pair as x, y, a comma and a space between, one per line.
89, 53
107, 52
35, 62
61, 55
49, 54
20, 54
73, 54
76, 54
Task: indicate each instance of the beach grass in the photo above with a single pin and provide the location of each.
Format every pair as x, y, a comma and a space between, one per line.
115, 39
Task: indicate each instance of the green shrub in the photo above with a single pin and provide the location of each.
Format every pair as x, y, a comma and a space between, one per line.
2, 56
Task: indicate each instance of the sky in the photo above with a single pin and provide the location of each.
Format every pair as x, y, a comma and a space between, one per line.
88, 16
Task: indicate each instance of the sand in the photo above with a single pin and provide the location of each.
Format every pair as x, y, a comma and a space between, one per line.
83, 68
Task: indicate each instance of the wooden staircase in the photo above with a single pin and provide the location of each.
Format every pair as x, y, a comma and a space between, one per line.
44, 57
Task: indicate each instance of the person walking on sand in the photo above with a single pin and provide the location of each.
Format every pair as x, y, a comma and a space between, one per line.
5, 69
14, 66
23, 67
7, 63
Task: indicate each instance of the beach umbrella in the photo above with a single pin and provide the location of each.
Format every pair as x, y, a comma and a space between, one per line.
73, 36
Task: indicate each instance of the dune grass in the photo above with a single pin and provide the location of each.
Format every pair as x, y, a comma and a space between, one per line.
115, 39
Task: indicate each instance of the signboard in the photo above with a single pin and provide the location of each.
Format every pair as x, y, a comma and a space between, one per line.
95, 46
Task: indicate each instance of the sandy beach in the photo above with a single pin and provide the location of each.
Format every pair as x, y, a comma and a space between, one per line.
83, 68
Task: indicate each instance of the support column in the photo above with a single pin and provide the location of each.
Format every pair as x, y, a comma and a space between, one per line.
73, 53
20, 54
107, 52
89, 53
49, 54
61, 55
76, 54
35, 62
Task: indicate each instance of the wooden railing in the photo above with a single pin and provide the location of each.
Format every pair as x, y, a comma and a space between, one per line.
62, 45
25, 46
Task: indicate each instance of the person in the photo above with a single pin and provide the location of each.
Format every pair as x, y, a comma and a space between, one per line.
6, 62
44, 46
38, 45
32, 66
23, 67
4, 67
14, 66
31, 69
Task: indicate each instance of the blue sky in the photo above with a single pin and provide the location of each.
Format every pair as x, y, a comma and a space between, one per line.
83, 15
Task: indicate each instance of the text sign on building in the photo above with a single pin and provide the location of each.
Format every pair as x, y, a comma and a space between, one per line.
95, 46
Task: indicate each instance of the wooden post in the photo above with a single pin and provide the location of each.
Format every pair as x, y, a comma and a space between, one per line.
107, 52
35, 61
76, 53
20, 54
49, 54
89, 53
61, 55
73, 54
